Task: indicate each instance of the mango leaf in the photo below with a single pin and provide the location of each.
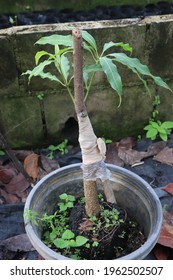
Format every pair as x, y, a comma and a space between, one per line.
89, 39
38, 69
126, 47
92, 68
134, 63
39, 55
65, 66
112, 74
65, 40
68, 234
49, 76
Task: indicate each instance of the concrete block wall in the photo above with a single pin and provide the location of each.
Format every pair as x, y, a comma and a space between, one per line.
27, 121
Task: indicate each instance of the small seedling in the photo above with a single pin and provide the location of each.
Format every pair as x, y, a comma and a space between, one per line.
67, 202
62, 147
2, 153
157, 128
40, 96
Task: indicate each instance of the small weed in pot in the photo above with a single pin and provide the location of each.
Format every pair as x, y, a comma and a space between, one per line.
78, 236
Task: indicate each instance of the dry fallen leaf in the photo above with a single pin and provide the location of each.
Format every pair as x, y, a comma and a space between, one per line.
31, 165
112, 155
127, 143
168, 188
166, 235
86, 226
162, 252
130, 157
165, 156
17, 184
7, 173
18, 243
49, 164
9, 198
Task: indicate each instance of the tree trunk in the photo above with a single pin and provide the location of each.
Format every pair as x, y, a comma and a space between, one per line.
90, 189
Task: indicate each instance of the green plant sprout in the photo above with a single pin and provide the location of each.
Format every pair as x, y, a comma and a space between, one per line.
62, 147
156, 128
40, 96
2, 153
67, 202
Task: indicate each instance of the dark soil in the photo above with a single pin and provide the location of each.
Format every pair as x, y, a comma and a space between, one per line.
123, 239
96, 14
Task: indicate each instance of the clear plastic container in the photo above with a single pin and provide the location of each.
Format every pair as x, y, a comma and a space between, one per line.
131, 191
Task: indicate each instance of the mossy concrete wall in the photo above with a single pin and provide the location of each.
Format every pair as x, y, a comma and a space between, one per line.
27, 121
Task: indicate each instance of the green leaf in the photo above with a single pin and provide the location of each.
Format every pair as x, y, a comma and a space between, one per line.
65, 40
71, 197
112, 74
38, 70
53, 234
68, 234
2, 153
61, 243
62, 206
63, 196
89, 39
155, 125
167, 124
80, 240
109, 45
52, 147
92, 68
148, 127
65, 66
70, 204
152, 133
72, 243
164, 137
162, 130
39, 55
49, 76
134, 63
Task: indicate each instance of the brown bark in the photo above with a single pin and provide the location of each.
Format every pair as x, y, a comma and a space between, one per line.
90, 188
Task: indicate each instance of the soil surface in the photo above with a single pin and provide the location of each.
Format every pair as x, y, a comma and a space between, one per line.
121, 240
96, 14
